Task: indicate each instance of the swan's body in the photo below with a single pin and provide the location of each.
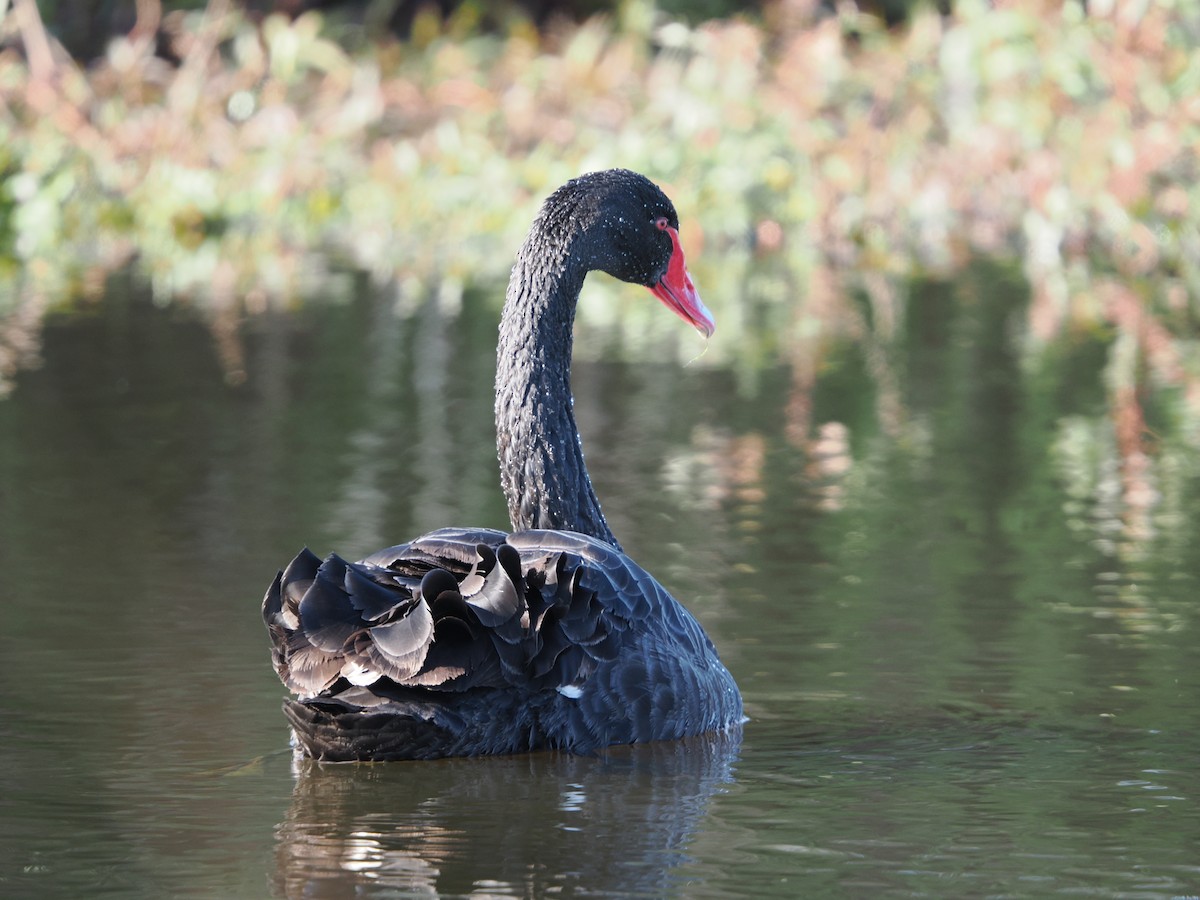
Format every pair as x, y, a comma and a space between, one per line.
473, 641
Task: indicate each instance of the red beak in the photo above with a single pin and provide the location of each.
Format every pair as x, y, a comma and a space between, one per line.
679, 294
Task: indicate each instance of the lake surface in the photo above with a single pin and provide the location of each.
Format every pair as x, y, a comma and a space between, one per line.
964, 626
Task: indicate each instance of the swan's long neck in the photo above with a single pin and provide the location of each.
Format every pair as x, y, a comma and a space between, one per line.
541, 458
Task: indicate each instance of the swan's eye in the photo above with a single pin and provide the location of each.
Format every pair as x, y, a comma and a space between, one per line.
661, 223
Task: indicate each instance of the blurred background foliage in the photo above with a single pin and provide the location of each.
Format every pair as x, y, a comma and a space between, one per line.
246, 156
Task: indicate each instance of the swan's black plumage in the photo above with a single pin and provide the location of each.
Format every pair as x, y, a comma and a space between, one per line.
474, 641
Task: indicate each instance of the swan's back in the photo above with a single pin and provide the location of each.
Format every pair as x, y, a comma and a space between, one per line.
471, 641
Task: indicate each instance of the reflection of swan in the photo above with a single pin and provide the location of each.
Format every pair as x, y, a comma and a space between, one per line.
614, 823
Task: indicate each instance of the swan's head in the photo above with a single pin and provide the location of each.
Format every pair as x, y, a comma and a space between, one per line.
634, 235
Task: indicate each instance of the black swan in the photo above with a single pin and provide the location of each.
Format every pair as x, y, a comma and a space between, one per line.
470, 641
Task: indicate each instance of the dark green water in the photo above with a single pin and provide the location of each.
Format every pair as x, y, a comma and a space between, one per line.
966, 642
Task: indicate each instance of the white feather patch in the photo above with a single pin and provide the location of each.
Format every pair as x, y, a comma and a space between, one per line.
358, 674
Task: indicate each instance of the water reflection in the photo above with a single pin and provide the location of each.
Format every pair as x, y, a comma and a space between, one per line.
618, 822
963, 620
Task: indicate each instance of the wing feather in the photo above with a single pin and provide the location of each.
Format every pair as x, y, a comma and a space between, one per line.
540, 613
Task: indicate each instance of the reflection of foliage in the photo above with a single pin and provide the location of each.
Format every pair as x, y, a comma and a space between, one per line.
999, 511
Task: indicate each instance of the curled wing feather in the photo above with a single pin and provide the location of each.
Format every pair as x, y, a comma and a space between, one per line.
453, 610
